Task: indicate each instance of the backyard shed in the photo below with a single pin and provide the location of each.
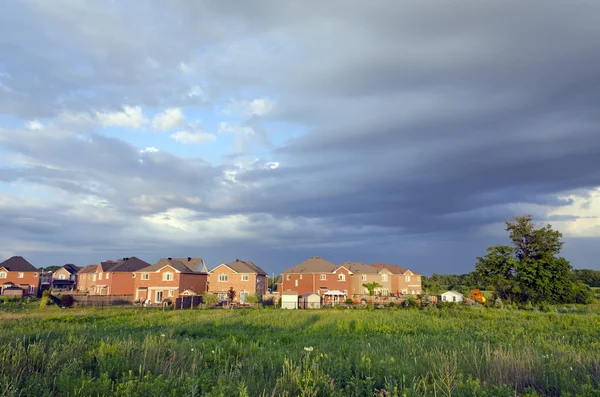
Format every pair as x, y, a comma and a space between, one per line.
289, 300
452, 296
310, 301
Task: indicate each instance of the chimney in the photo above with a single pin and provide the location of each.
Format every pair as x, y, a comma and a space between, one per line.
189, 258
237, 260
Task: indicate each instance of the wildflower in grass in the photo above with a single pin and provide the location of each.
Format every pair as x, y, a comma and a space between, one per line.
308, 349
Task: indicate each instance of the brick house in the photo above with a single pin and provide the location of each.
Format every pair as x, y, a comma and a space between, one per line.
169, 278
404, 281
316, 275
110, 277
65, 278
243, 276
18, 274
363, 274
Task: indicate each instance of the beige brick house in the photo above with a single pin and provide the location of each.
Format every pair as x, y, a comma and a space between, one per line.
243, 276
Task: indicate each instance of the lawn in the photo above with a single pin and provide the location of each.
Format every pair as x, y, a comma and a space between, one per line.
270, 352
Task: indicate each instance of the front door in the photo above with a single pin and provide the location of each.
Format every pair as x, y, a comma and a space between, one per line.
243, 296
158, 296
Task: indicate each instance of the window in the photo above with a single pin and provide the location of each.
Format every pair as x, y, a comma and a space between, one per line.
168, 276
132, 275
3, 275
31, 289
407, 279
107, 276
296, 283
223, 278
300, 277
341, 277
346, 292
99, 276
365, 291
385, 292
94, 277
20, 275
145, 276
454, 299
158, 296
171, 293
34, 274
384, 277
244, 277
323, 277
363, 277
73, 277
243, 296
288, 277
61, 277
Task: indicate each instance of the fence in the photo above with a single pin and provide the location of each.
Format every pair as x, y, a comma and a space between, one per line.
85, 300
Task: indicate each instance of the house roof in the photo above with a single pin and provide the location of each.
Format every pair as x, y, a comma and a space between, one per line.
456, 293
241, 266
18, 264
125, 265
314, 264
359, 268
392, 268
88, 269
183, 265
71, 268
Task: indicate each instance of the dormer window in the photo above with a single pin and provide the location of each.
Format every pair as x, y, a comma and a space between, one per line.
384, 277
341, 277
3, 275
363, 277
61, 277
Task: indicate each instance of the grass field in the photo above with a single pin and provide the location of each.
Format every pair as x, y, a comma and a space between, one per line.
431, 352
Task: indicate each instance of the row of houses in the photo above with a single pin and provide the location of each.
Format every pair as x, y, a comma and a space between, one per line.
171, 278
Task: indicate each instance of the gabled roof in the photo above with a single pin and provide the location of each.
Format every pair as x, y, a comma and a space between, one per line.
71, 268
18, 264
125, 265
392, 268
241, 266
88, 269
314, 264
359, 268
183, 265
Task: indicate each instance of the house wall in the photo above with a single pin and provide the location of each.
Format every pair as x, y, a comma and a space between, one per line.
256, 284
357, 283
29, 278
312, 282
196, 282
119, 283
411, 287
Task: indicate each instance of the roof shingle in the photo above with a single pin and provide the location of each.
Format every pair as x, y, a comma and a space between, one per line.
314, 264
18, 264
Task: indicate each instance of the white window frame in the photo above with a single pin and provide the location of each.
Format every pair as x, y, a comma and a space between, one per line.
61, 276
341, 277
245, 277
20, 275
107, 276
156, 296
100, 276
145, 276
384, 277
94, 277
407, 279
288, 277
300, 277
168, 276
363, 277
132, 275
295, 283
223, 278
171, 293
31, 289
3, 275
323, 277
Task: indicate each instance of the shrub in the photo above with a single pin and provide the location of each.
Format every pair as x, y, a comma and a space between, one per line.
349, 301
45, 301
210, 299
66, 300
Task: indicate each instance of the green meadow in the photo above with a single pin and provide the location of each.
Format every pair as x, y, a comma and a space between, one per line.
462, 351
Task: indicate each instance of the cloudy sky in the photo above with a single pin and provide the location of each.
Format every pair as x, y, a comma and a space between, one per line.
401, 132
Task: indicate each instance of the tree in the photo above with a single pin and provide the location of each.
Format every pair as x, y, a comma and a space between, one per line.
531, 271
210, 299
253, 299
371, 287
231, 294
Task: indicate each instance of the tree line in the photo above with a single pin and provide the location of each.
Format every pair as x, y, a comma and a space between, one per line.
528, 270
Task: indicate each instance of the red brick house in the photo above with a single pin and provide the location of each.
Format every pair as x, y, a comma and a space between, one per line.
317, 275
65, 278
18, 277
170, 278
243, 276
110, 277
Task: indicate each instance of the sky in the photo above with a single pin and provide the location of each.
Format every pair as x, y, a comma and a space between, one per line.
402, 132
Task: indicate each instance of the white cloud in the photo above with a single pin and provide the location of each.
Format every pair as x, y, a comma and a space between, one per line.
271, 165
168, 119
587, 213
235, 129
131, 116
34, 125
75, 119
150, 149
197, 91
256, 107
186, 137
184, 67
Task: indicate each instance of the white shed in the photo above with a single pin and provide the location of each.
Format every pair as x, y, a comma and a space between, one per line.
289, 300
310, 301
452, 296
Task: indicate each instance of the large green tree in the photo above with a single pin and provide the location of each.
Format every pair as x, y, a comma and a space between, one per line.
532, 270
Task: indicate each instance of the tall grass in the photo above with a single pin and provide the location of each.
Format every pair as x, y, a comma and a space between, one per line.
450, 352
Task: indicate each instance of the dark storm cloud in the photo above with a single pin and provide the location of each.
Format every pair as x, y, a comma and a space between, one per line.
427, 121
